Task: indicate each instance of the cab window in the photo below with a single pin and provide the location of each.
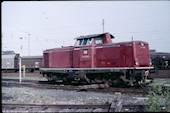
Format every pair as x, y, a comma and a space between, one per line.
98, 40
85, 41
89, 41
81, 42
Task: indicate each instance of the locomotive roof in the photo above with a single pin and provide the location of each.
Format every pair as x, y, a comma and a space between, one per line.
7, 52
9, 56
92, 36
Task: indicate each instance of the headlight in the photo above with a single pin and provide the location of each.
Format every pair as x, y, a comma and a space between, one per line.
136, 62
150, 61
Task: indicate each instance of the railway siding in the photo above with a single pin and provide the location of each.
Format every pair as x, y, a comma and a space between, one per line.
115, 106
25, 95
55, 108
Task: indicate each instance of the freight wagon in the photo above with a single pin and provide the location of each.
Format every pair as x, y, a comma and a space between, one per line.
32, 63
160, 60
10, 62
95, 59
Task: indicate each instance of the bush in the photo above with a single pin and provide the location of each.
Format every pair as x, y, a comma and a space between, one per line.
158, 100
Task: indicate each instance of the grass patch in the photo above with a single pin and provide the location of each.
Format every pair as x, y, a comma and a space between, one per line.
158, 100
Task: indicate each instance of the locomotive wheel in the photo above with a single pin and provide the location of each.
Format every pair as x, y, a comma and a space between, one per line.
15, 70
5, 71
28, 70
49, 77
142, 85
32, 70
106, 78
58, 78
67, 82
86, 78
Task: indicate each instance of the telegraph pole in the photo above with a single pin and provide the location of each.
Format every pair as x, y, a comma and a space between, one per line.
103, 25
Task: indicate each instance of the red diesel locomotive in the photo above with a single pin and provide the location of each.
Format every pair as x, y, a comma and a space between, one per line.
95, 59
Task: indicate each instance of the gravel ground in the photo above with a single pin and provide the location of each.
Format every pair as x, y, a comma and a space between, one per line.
52, 96
161, 82
25, 95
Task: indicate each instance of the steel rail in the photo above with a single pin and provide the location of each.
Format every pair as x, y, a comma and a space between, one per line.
56, 108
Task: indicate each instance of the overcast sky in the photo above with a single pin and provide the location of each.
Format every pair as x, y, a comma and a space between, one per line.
53, 24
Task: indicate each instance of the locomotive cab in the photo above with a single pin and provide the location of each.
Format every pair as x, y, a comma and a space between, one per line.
94, 39
84, 55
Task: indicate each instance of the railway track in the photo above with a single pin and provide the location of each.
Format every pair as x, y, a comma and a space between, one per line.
92, 87
54, 108
76, 87
119, 107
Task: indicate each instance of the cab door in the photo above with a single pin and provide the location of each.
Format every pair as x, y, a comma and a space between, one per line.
76, 58
82, 53
86, 53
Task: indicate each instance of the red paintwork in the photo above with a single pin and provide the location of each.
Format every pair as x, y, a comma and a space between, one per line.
58, 58
99, 55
